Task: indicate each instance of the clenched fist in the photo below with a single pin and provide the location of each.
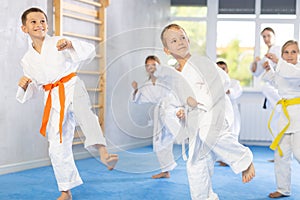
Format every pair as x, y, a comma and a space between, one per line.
23, 82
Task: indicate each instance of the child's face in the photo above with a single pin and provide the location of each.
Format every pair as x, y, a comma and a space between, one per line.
36, 25
224, 67
290, 54
151, 66
176, 43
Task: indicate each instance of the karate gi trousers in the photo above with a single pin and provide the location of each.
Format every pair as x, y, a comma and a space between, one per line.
163, 141
290, 145
200, 164
61, 154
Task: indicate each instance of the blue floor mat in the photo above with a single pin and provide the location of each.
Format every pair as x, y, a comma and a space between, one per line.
99, 183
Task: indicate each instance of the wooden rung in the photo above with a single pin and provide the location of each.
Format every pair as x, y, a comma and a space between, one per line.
98, 56
97, 106
75, 142
78, 137
93, 89
91, 3
83, 36
89, 72
79, 9
82, 18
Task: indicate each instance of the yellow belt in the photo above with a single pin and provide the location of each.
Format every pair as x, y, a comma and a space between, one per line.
284, 103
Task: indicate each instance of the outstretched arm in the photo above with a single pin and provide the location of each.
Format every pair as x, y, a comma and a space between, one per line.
134, 85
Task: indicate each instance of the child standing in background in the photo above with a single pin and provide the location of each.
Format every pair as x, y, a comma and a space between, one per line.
234, 92
165, 122
50, 64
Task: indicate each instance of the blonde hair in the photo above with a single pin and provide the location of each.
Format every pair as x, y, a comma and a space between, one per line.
170, 26
288, 43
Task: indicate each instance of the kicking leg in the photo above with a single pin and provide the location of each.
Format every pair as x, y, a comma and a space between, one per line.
109, 160
89, 124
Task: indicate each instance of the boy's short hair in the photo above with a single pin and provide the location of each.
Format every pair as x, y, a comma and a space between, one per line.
170, 26
31, 10
152, 57
221, 63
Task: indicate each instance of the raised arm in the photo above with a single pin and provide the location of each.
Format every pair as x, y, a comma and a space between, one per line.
288, 70
76, 50
26, 90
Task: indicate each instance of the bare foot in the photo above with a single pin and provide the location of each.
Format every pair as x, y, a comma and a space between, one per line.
221, 163
248, 174
110, 161
276, 194
65, 195
161, 175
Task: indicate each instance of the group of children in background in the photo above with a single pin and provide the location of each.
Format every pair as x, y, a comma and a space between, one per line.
51, 62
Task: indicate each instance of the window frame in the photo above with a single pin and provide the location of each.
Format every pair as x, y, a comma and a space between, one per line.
213, 17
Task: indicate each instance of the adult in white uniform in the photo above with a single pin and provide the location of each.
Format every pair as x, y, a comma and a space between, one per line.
165, 121
269, 91
214, 136
286, 144
50, 64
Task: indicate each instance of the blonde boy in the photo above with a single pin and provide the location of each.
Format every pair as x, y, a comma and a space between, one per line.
214, 136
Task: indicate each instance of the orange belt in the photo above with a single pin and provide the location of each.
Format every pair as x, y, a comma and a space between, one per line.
61, 90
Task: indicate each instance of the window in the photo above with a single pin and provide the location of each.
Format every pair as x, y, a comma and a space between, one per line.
234, 29
236, 7
236, 48
283, 33
278, 7
188, 11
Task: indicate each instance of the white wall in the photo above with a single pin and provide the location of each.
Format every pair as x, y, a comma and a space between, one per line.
22, 147
20, 139
130, 38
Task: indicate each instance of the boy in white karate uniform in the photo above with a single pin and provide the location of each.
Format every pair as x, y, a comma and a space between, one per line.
50, 64
234, 92
286, 78
214, 136
165, 122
